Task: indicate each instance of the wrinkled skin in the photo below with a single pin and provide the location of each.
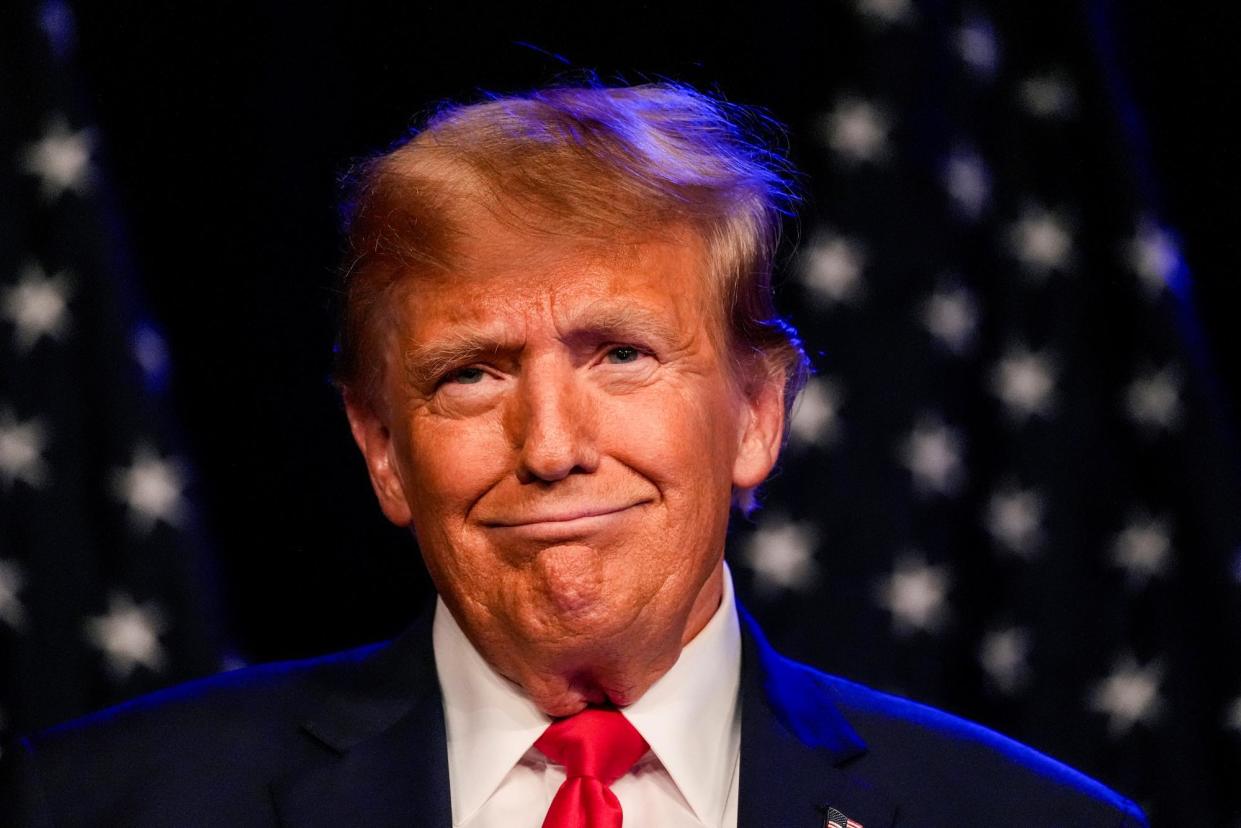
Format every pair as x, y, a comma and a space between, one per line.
561, 427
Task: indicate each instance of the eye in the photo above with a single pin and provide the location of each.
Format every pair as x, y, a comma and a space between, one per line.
623, 354
464, 376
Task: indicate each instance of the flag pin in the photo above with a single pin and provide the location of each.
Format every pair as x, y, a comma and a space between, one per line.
833, 818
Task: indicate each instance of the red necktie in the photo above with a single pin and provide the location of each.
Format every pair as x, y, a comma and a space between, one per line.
596, 747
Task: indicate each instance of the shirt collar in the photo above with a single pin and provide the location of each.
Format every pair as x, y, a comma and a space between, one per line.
489, 722
688, 716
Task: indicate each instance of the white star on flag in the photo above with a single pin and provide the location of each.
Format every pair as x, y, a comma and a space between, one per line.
1015, 520
932, 453
1041, 240
1143, 548
781, 554
887, 11
1004, 657
816, 414
37, 306
21, 450
951, 316
1025, 381
967, 182
857, 131
1129, 695
128, 634
916, 595
832, 269
1048, 96
1232, 719
979, 47
1153, 400
1154, 256
152, 489
61, 159
11, 581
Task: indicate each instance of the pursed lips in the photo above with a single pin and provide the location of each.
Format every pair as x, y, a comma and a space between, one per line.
562, 520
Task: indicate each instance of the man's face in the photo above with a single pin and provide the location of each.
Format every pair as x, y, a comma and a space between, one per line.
563, 433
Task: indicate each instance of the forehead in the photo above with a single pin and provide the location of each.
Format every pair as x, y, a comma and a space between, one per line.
506, 277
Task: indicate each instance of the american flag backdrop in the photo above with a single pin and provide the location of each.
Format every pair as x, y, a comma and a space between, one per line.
105, 588
1009, 490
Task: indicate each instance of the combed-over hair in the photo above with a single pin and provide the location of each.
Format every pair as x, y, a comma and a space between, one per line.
595, 163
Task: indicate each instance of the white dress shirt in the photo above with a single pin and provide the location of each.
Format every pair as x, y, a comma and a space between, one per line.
690, 717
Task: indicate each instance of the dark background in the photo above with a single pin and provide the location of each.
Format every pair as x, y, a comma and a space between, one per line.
226, 126
219, 134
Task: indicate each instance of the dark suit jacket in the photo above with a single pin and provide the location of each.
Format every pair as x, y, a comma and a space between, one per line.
358, 739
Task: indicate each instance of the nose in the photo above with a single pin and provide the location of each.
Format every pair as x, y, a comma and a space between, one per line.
554, 424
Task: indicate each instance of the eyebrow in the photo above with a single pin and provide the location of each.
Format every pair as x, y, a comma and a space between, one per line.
621, 322
426, 363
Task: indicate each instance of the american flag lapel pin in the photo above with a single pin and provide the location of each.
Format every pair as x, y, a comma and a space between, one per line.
832, 818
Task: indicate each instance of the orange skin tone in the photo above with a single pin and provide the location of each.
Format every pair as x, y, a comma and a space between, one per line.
560, 426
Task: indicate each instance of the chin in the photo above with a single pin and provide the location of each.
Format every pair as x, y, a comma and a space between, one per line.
592, 634
583, 691
576, 591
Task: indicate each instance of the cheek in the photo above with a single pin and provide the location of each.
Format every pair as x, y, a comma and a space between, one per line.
683, 437
451, 464
684, 444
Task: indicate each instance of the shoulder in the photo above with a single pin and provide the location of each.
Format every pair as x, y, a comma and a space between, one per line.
215, 743
934, 754
228, 704
937, 768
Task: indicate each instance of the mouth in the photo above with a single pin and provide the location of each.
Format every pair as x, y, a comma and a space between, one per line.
562, 524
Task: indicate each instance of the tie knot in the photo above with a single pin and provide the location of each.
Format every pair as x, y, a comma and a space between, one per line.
600, 744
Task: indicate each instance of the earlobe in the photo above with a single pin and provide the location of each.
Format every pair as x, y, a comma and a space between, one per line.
761, 432
374, 440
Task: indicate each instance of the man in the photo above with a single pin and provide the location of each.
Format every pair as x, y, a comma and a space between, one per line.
561, 363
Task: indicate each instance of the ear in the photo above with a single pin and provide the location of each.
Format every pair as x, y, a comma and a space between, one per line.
760, 432
378, 450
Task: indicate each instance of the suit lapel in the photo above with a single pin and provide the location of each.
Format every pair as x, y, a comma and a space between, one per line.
385, 761
796, 746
